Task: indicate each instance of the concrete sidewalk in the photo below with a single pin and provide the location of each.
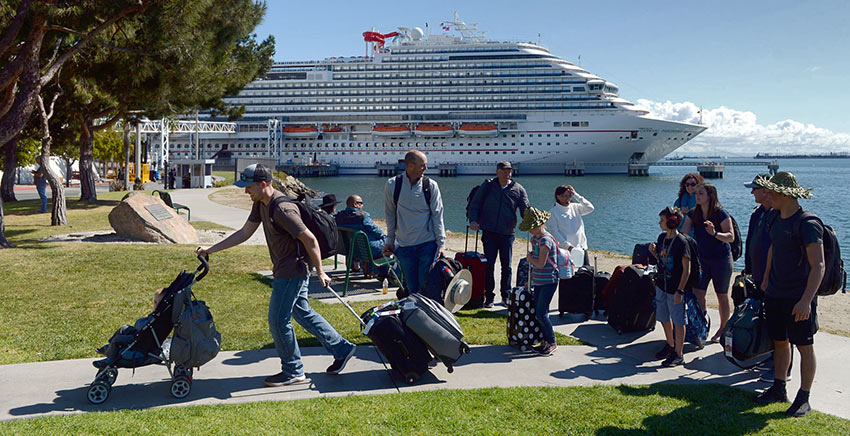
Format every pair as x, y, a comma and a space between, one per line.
59, 387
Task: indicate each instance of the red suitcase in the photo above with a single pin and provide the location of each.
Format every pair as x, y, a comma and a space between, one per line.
476, 263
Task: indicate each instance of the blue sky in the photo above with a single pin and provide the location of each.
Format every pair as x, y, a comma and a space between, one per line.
774, 69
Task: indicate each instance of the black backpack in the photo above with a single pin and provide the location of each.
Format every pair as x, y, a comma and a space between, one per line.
320, 223
834, 275
471, 196
737, 245
439, 276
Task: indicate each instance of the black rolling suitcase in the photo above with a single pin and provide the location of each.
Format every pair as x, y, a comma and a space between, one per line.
582, 293
633, 303
406, 353
436, 326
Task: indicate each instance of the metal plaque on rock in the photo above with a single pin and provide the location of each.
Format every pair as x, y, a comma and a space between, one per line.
159, 212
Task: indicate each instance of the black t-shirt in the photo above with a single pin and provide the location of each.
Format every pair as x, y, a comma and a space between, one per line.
669, 255
789, 267
710, 247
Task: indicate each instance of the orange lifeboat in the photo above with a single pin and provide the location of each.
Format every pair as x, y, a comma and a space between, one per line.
331, 129
438, 130
385, 130
300, 131
478, 130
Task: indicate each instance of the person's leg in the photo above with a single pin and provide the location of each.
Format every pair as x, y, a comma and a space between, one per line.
677, 315
662, 315
542, 299
808, 366
426, 253
42, 194
410, 270
721, 277
506, 246
491, 248
317, 326
284, 293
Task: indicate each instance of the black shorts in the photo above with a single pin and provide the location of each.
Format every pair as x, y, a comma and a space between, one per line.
781, 325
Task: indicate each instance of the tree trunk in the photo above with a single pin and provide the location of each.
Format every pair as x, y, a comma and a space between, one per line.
88, 192
4, 243
58, 214
127, 148
10, 165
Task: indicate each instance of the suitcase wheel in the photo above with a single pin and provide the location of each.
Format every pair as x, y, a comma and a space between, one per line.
450, 368
464, 349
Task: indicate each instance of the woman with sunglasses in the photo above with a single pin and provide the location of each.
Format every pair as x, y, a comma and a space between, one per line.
712, 227
687, 186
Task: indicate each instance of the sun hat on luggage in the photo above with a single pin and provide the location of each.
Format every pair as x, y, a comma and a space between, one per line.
785, 183
532, 218
459, 291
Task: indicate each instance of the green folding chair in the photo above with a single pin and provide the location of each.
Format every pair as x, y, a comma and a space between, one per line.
343, 245
359, 249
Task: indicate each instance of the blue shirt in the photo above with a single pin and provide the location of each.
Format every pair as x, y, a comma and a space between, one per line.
708, 246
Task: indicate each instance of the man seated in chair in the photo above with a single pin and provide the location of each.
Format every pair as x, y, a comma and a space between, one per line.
354, 217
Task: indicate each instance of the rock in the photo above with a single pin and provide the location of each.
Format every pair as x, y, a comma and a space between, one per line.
291, 186
132, 220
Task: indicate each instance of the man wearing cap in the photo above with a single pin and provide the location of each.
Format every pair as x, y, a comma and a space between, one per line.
413, 208
293, 252
795, 268
493, 210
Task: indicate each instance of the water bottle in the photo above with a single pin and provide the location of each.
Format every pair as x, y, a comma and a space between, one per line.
384, 286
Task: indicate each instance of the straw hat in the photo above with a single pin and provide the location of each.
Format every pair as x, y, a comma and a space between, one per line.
785, 183
532, 218
459, 291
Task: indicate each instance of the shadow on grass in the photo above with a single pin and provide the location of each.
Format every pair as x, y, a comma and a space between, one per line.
710, 409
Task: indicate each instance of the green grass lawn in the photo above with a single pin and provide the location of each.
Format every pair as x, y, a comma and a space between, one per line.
600, 410
227, 175
69, 298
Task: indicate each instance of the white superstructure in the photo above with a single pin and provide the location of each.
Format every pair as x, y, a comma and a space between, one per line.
460, 98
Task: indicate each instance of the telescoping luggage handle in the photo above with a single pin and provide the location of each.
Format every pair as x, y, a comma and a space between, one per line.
466, 241
203, 269
527, 246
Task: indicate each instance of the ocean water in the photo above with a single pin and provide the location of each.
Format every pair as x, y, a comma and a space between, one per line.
627, 207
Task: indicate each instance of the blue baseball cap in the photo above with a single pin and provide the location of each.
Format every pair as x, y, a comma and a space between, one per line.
252, 174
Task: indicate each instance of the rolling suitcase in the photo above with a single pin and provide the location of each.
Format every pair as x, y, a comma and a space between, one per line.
633, 304
522, 326
642, 256
476, 263
746, 341
522, 273
404, 350
406, 353
436, 326
580, 293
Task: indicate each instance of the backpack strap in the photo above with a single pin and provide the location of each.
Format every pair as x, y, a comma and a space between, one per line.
426, 190
272, 206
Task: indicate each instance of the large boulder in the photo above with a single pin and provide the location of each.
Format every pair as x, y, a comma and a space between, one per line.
156, 223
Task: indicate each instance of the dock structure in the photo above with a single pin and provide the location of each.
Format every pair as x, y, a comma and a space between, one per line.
315, 170
447, 170
638, 169
711, 170
388, 170
574, 169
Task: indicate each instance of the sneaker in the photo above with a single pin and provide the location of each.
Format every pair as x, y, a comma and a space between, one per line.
673, 360
281, 379
102, 363
772, 394
799, 409
339, 364
488, 304
664, 352
546, 349
770, 375
102, 350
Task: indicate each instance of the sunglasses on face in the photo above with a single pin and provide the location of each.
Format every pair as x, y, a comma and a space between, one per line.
358, 202
691, 184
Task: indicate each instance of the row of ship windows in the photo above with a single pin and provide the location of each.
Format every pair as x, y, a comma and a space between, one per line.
489, 87
447, 65
428, 98
407, 83
489, 106
548, 71
396, 50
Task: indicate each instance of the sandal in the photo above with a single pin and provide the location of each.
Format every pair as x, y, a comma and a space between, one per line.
716, 338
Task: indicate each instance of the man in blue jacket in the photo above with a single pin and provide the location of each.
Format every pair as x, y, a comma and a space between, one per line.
354, 217
493, 210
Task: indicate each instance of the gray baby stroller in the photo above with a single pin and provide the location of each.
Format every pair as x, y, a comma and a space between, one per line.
194, 343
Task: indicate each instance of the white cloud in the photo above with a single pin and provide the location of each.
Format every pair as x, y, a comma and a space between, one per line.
813, 68
738, 133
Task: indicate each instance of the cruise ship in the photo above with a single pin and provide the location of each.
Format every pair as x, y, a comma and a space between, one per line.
465, 101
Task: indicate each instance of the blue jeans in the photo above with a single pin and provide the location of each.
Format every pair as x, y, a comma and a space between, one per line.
289, 300
415, 260
542, 299
501, 245
42, 194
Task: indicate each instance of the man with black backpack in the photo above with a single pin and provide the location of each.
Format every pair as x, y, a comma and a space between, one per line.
413, 208
296, 245
795, 269
493, 209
